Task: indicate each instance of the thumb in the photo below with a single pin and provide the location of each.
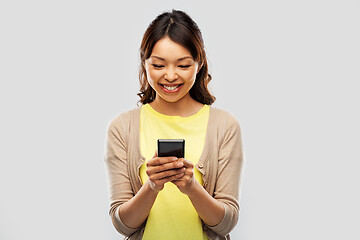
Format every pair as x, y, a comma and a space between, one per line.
156, 153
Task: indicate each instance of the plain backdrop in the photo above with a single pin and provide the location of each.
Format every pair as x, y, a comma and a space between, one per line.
287, 70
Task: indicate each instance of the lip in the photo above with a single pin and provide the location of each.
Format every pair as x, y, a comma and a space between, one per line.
171, 85
168, 91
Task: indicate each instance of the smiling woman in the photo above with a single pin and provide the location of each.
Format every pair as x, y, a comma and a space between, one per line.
172, 52
194, 197
171, 72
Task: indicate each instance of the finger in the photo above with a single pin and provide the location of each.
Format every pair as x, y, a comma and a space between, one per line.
171, 179
187, 163
177, 180
189, 172
155, 155
164, 167
166, 174
160, 160
188, 176
176, 177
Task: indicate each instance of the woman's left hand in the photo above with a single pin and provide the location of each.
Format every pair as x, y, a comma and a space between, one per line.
186, 182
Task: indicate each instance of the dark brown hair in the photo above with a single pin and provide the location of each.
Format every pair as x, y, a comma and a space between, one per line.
180, 28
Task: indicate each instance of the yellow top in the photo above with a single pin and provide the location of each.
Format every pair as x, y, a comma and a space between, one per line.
173, 215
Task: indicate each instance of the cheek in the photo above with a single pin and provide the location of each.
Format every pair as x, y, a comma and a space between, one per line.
154, 75
190, 76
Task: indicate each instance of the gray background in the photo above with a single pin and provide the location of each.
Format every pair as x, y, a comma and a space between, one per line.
288, 70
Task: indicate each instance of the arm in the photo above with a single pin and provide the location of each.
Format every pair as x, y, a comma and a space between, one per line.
220, 212
134, 212
202, 202
117, 171
128, 212
160, 170
229, 176
209, 209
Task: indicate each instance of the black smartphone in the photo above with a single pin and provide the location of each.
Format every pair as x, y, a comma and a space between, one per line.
171, 147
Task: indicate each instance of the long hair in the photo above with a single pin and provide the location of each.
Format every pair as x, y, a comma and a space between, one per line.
180, 28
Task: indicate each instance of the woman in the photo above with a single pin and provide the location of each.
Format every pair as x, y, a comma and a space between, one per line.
195, 197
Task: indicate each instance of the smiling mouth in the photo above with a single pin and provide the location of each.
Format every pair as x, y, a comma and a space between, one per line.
173, 88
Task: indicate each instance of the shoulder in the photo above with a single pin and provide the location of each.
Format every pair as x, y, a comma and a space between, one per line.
122, 120
224, 117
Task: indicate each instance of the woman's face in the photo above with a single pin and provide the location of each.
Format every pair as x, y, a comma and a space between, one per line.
171, 65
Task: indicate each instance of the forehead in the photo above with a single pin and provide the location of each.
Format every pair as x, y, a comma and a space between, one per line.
167, 50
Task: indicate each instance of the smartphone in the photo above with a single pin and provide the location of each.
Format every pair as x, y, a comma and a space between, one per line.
171, 147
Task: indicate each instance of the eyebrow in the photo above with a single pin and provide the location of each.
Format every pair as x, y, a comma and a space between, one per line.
178, 59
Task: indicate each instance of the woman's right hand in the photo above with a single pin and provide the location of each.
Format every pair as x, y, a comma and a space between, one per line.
161, 170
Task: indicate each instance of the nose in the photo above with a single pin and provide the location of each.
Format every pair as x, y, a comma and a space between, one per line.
170, 74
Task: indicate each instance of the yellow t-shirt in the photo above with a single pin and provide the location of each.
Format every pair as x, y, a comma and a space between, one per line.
173, 215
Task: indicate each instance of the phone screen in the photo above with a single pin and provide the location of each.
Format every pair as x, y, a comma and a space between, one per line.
171, 147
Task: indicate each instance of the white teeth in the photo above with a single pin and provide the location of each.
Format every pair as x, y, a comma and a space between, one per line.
171, 88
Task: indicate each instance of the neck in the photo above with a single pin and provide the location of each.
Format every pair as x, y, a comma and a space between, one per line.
185, 107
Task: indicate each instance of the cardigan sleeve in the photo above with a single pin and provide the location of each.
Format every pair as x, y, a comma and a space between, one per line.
228, 179
117, 171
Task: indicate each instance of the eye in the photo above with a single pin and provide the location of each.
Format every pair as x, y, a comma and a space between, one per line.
157, 66
185, 66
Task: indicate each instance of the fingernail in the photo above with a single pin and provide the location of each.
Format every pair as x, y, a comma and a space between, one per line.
174, 159
179, 164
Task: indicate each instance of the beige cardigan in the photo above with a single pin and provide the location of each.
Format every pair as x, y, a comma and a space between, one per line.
221, 164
